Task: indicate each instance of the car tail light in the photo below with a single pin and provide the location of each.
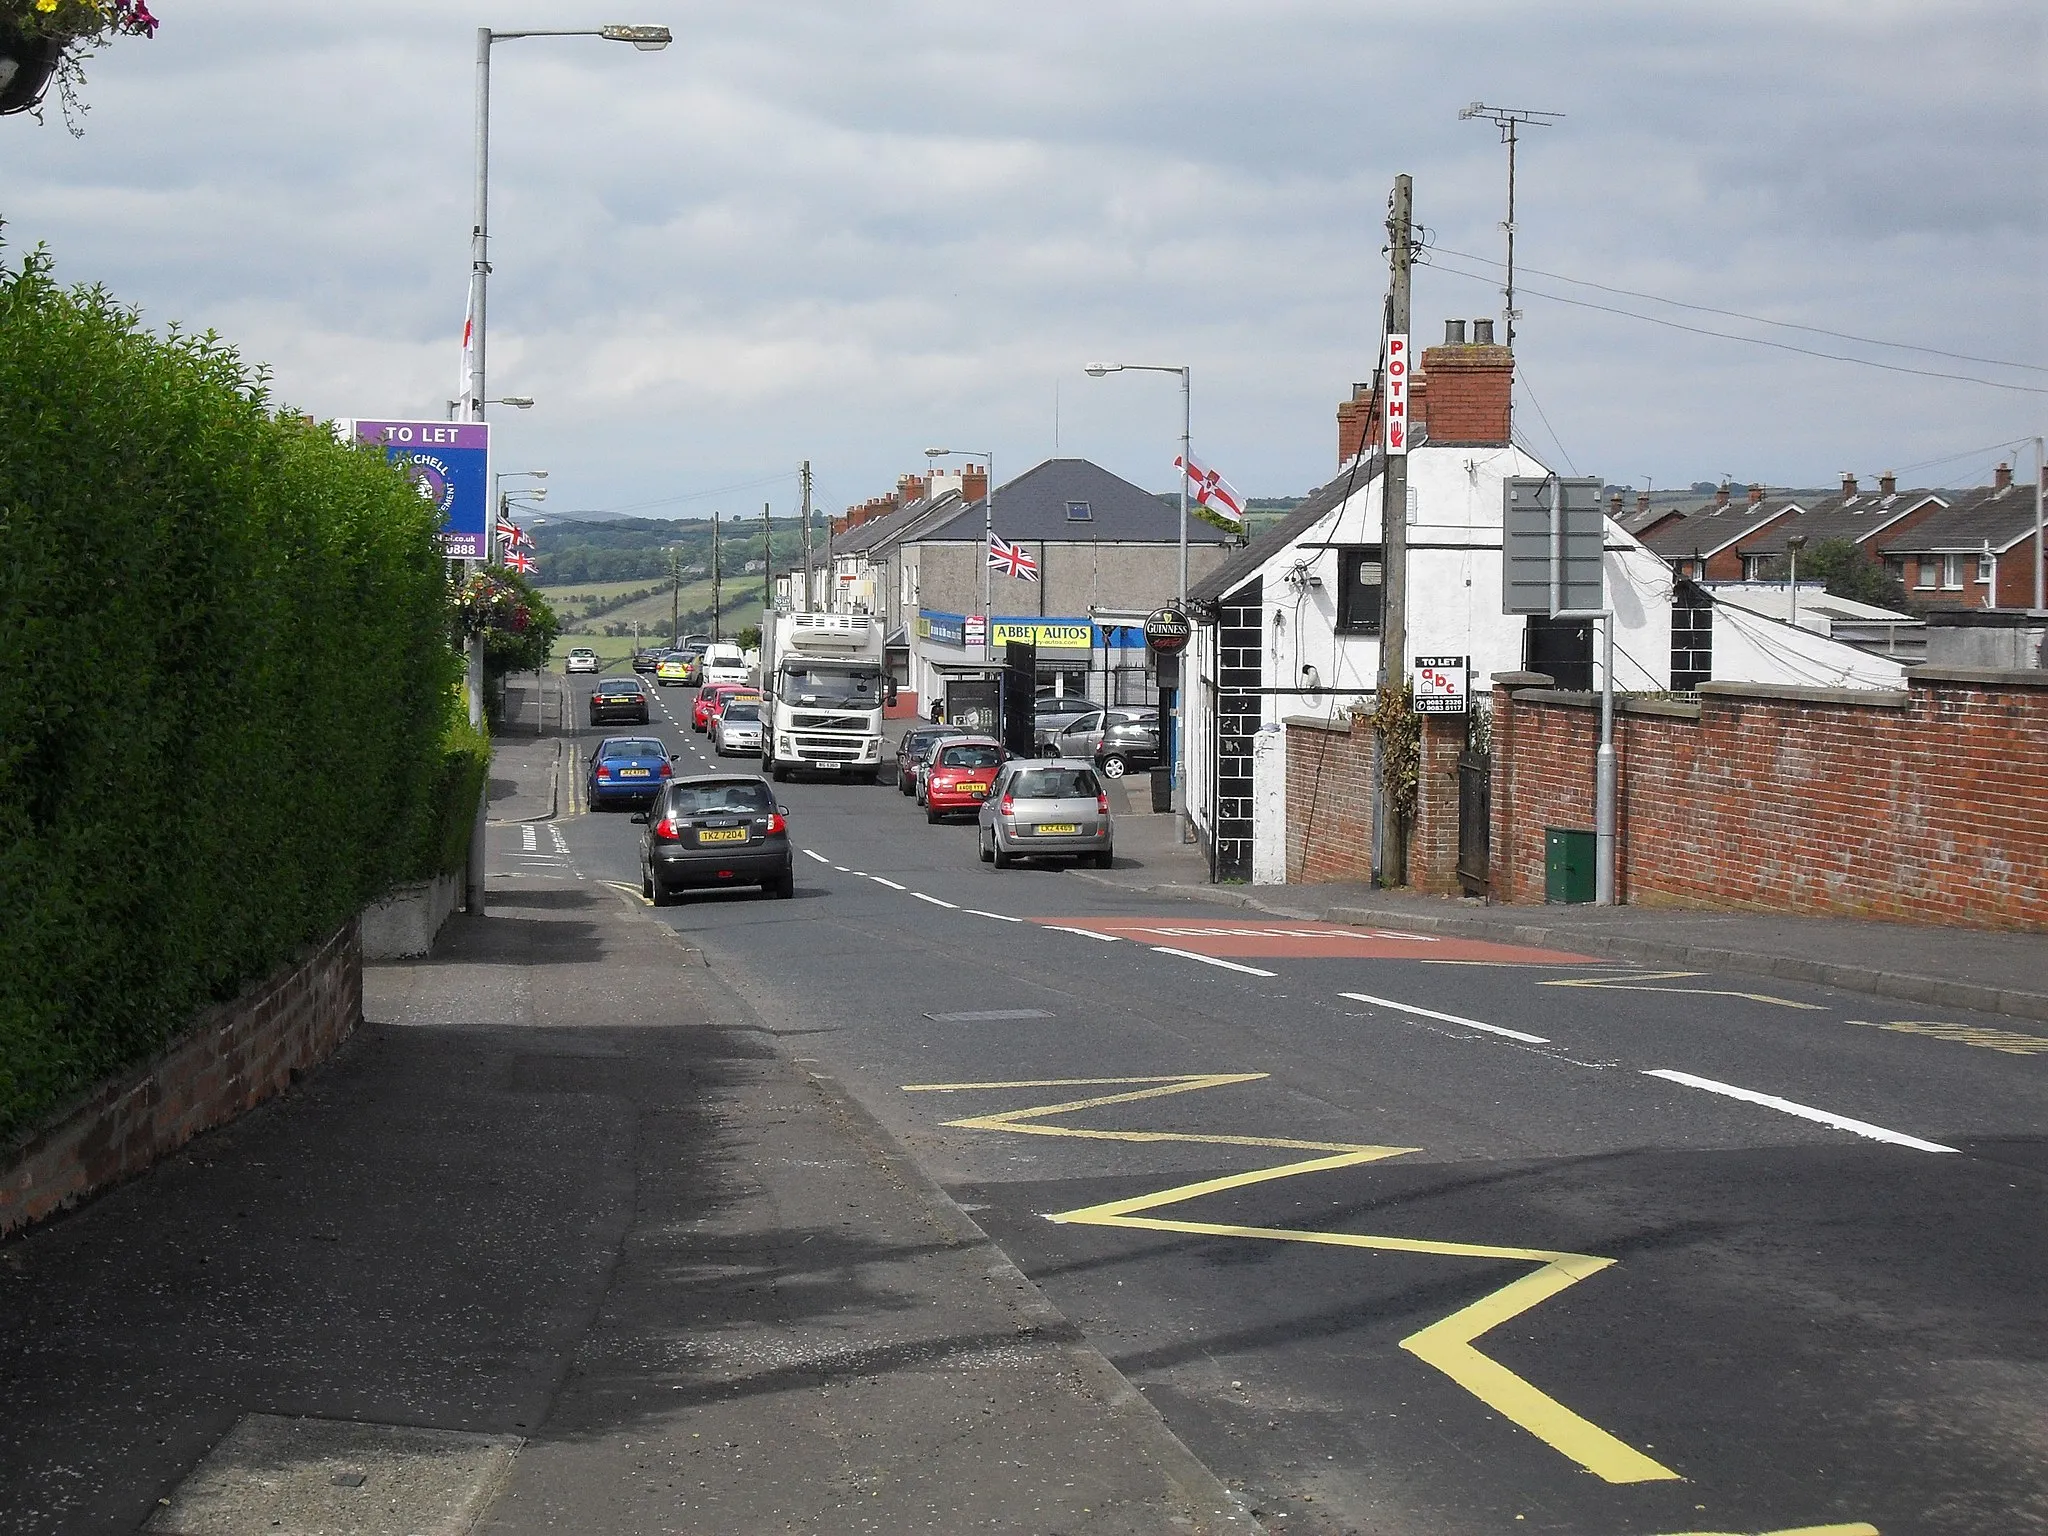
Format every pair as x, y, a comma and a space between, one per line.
668, 770
1008, 807
776, 824
603, 772
1102, 804
665, 829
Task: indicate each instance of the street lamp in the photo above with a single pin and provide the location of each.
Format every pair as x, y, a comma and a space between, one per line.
1096, 371
646, 39
520, 402
501, 500
988, 536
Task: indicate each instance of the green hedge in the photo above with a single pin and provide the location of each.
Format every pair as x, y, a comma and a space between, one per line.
226, 685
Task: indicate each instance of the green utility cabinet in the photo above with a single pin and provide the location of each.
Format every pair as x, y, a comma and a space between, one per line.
1568, 858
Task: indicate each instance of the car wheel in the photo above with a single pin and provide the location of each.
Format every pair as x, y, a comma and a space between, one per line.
986, 856
933, 817
659, 894
781, 774
906, 784
996, 856
1105, 860
647, 884
786, 886
1113, 767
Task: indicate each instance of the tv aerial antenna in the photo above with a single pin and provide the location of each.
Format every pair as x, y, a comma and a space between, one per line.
1510, 121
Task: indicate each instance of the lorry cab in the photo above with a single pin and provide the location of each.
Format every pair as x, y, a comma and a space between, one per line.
823, 690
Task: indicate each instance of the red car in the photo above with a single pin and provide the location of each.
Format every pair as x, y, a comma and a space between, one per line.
960, 775
711, 699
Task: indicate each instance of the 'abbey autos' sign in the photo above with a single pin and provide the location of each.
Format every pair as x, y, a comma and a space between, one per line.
448, 462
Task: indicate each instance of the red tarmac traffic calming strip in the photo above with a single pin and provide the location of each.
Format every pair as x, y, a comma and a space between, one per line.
1278, 938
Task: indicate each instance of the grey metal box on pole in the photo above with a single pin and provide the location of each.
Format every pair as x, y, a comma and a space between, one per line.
1552, 531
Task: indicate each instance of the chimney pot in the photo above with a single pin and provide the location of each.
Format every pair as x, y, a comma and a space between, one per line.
1888, 482
1642, 501
1454, 333
1848, 484
2001, 477
1756, 495
1482, 333
1721, 496
1614, 504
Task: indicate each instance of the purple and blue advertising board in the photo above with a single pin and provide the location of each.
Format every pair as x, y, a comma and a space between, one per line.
449, 463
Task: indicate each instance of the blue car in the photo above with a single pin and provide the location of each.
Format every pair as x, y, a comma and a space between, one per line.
627, 770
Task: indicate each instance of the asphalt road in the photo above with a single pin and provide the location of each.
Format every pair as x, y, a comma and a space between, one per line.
1418, 1235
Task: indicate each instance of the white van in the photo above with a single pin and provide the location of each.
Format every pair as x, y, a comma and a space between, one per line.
725, 662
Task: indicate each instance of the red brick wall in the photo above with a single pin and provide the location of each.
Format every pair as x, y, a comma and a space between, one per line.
2015, 579
234, 1057
1433, 841
1329, 802
1926, 807
1469, 388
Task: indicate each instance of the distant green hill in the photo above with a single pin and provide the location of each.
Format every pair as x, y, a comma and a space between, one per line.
636, 548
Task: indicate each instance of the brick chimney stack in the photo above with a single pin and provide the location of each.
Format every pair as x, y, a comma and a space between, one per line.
1470, 386
1721, 496
2001, 477
1642, 502
1888, 484
1848, 484
1756, 495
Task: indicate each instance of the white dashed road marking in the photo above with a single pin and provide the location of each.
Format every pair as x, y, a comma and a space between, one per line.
1803, 1111
1228, 965
1000, 917
811, 853
949, 905
889, 883
1446, 1018
1107, 938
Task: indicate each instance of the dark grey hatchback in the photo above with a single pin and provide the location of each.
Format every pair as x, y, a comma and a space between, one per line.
714, 830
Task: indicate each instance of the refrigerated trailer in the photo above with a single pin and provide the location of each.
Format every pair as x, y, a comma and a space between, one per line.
823, 685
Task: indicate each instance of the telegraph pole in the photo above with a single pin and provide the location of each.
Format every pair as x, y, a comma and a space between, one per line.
804, 606
717, 633
767, 563
1394, 502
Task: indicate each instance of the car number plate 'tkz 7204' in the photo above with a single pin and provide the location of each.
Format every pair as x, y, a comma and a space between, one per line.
722, 835
1057, 829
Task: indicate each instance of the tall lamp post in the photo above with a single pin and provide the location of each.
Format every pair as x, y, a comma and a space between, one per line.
1176, 751
474, 391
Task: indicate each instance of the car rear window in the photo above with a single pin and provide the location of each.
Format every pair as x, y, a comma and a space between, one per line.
632, 747
747, 795
970, 757
620, 685
746, 711
1054, 784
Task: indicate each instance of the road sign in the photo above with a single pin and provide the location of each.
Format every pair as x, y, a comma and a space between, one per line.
1441, 685
1168, 631
1552, 532
448, 462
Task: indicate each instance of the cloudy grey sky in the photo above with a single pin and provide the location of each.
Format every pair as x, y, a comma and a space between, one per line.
845, 230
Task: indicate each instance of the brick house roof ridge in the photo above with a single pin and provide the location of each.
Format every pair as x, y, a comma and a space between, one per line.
1723, 525
894, 528
1317, 505
2003, 517
1856, 518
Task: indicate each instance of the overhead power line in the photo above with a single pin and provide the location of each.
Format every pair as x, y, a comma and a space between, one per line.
1754, 341
1736, 314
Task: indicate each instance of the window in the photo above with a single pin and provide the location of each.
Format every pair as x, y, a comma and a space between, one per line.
1080, 512
1929, 571
1895, 567
1985, 565
702, 799
1952, 572
1054, 784
1755, 567
1360, 587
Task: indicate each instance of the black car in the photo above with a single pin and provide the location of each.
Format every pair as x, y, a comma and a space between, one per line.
646, 661
618, 698
910, 751
715, 830
1131, 740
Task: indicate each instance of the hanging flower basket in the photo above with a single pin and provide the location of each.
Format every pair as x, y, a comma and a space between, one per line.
483, 602
45, 40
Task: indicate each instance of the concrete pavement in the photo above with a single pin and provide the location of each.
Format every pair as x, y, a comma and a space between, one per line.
1943, 967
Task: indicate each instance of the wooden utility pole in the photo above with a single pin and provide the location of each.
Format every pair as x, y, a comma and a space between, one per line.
675, 593
1394, 425
767, 562
717, 632
804, 606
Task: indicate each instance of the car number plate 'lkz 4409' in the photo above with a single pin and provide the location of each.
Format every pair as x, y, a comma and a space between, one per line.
1057, 829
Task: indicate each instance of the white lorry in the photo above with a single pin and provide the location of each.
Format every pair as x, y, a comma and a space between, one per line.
822, 691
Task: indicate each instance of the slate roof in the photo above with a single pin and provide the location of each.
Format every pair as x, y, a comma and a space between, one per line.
1033, 509
1855, 518
1319, 504
875, 535
1971, 518
1709, 529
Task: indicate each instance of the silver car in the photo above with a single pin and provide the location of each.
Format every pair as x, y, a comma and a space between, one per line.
1039, 807
737, 730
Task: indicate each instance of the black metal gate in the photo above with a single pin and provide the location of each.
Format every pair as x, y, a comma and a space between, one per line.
1475, 821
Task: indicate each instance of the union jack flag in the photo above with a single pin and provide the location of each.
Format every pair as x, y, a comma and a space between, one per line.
519, 560
1012, 559
512, 536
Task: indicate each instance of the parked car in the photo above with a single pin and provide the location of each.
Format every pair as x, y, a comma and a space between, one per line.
1130, 740
713, 830
915, 743
1049, 716
672, 669
961, 772
646, 661
736, 729
618, 698
626, 769
1041, 807
710, 696
581, 659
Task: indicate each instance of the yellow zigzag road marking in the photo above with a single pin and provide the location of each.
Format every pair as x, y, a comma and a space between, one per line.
1616, 984
1446, 1345
1854, 1528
